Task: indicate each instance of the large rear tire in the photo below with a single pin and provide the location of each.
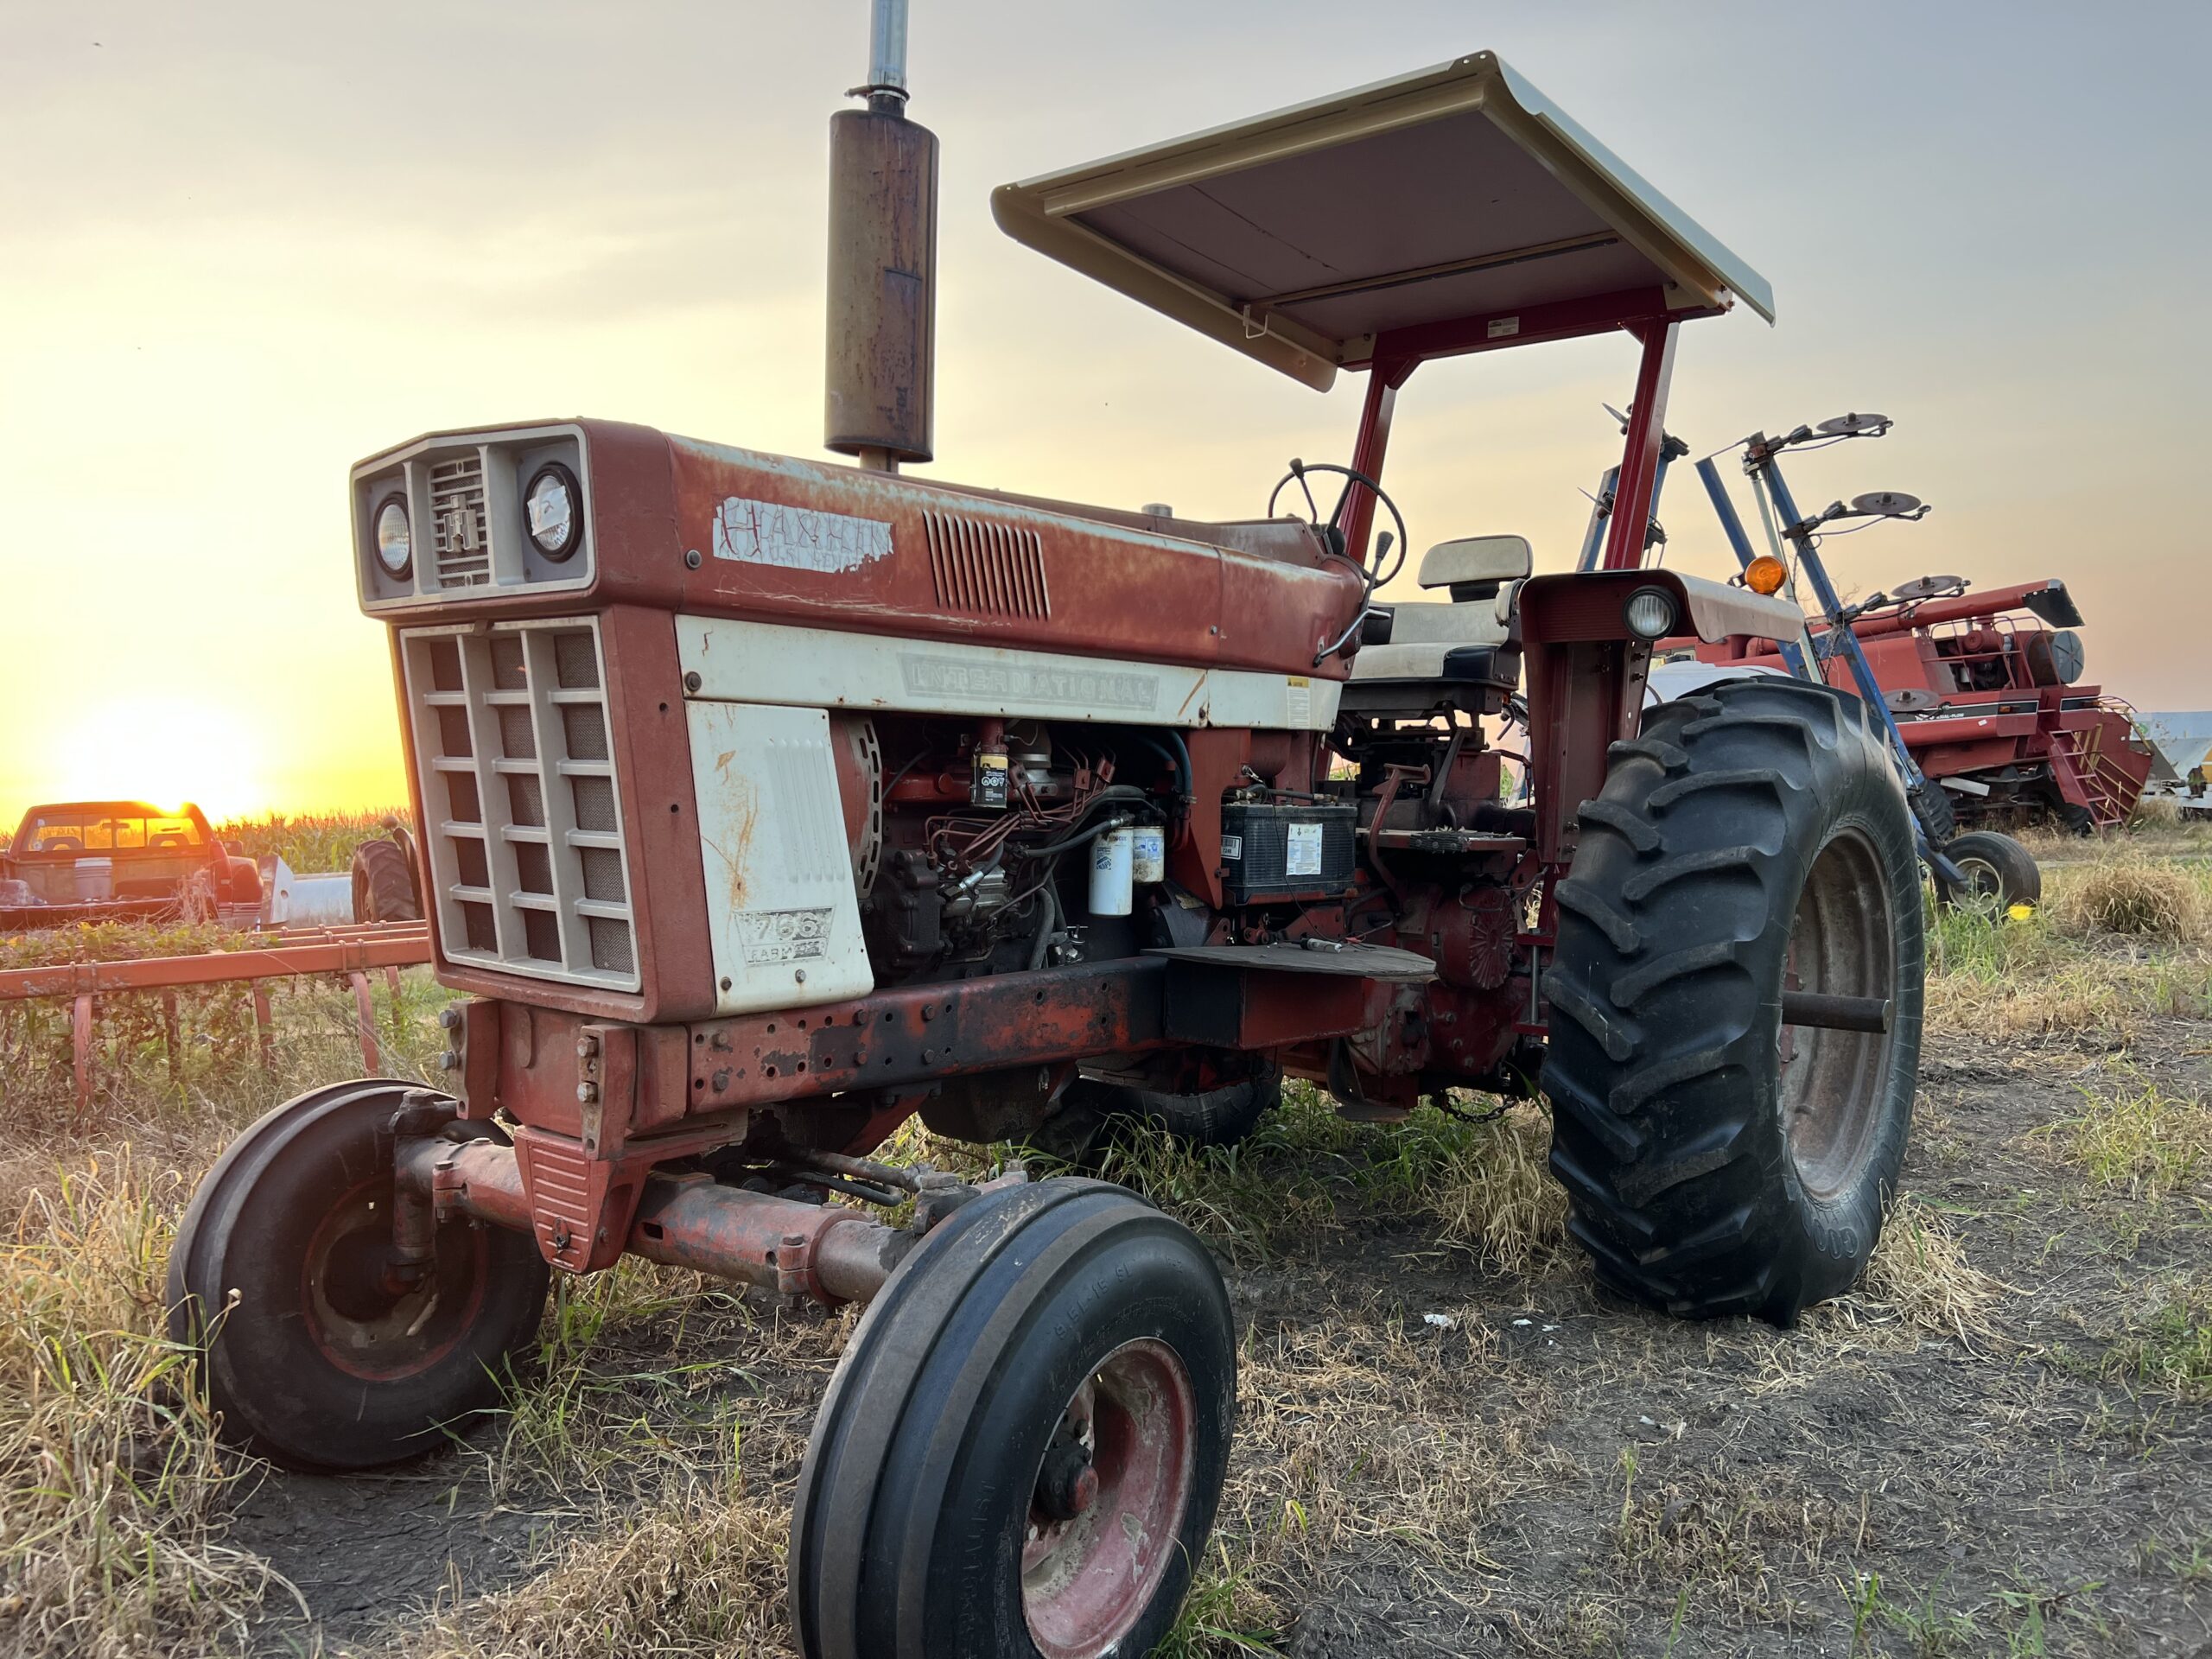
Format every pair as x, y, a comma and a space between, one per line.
383, 884
1021, 1452
1754, 840
312, 1355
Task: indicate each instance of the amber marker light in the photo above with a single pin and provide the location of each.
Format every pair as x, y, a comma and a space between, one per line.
1765, 575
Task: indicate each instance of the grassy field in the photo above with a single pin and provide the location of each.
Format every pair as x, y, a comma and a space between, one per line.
1449, 1442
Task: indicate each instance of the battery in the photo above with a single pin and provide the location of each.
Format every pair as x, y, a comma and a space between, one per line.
1289, 850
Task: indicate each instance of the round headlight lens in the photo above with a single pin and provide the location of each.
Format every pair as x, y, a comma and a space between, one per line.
549, 507
1650, 614
395, 542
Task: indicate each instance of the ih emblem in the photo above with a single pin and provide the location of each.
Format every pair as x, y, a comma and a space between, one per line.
458, 527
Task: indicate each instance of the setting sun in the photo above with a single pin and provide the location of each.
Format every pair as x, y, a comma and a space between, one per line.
167, 753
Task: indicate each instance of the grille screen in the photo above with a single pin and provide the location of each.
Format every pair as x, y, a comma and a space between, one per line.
461, 533
511, 732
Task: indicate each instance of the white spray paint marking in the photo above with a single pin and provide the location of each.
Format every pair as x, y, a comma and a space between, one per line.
796, 538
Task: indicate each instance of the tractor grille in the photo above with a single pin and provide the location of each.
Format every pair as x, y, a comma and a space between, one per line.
523, 819
461, 533
991, 569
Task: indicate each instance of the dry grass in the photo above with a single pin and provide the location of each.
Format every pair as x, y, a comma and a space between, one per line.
1727, 1537
2170, 1350
1359, 1430
1920, 1272
112, 1487
672, 1414
2136, 896
2147, 1142
114, 1494
2055, 973
687, 1578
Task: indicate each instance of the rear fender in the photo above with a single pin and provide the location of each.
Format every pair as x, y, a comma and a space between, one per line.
1586, 673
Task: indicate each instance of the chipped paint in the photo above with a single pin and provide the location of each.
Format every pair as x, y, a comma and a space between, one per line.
796, 538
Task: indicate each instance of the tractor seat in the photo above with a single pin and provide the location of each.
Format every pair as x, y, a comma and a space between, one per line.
1466, 653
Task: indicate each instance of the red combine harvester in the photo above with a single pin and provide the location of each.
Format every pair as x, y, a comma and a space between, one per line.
1986, 690
766, 804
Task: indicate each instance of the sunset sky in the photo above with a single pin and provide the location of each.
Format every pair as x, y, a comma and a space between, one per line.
243, 246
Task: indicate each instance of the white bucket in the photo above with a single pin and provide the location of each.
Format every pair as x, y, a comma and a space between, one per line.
95, 880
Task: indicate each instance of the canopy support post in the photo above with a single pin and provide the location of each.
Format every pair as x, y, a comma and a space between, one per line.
1633, 499
1368, 449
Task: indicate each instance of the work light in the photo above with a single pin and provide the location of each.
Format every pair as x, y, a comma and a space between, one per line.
549, 507
394, 542
1650, 613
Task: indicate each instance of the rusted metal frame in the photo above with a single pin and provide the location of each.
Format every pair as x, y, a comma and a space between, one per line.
824, 1252
1969, 608
265, 1026
82, 983
1635, 495
364, 1010
399, 947
81, 1037
921, 1033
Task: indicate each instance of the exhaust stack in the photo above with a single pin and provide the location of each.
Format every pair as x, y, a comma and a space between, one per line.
882, 347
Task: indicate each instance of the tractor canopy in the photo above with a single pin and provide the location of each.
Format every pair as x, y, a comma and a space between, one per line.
1450, 210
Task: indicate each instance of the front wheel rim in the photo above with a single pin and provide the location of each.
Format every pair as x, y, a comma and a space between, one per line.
1106, 1514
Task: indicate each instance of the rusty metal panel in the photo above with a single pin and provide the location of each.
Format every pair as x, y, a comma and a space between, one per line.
1225, 1007
921, 1032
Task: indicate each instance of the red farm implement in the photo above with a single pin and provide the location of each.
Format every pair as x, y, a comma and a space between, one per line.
350, 953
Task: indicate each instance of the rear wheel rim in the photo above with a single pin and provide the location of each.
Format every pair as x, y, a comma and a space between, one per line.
1091, 1566
1833, 1083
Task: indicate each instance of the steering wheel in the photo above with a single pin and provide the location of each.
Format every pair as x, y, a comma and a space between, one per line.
1332, 535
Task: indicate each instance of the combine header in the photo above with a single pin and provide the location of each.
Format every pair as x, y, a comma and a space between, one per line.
766, 804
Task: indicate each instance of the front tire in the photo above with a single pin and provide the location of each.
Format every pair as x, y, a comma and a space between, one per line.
1752, 840
277, 1275
1022, 1449
1995, 866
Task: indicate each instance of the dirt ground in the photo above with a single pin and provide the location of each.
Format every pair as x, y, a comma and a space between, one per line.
1863, 1484
1449, 1441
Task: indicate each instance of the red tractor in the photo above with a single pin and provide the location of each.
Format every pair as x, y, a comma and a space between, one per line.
1986, 692
766, 804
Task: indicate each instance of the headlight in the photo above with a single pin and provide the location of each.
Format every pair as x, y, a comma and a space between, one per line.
550, 509
1650, 613
395, 542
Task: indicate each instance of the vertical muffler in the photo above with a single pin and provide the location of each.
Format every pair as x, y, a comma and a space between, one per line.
882, 379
